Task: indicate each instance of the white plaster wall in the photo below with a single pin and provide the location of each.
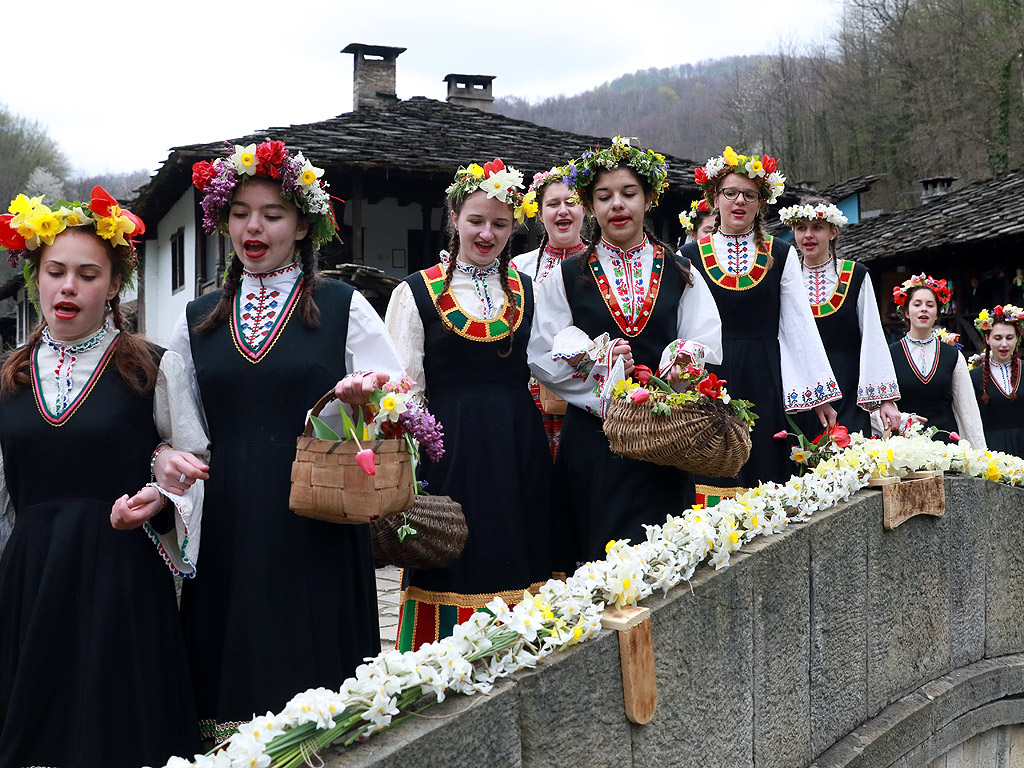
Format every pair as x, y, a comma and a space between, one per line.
162, 306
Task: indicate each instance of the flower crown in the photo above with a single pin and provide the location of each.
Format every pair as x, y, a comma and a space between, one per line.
30, 223
496, 180
942, 292
646, 162
824, 211
299, 179
762, 170
1005, 313
687, 218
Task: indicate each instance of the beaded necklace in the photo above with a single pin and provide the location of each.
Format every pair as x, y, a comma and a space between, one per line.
1002, 373
479, 277
67, 355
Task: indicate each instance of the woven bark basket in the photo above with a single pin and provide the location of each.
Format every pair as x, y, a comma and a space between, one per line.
442, 534
552, 404
705, 440
328, 484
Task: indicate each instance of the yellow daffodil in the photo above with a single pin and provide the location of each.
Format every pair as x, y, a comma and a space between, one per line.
993, 473
798, 455
609, 545
528, 208
22, 204
75, 217
44, 224
115, 228
697, 506
730, 157
624, 387
475, 171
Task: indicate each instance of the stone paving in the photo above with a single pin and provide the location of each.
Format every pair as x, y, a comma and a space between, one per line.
389, 582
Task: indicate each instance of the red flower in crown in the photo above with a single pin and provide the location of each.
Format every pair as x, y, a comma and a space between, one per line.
269, 157
700, 176
493, 167
703, 206
770, 164
899, 296
9, 237
203, 173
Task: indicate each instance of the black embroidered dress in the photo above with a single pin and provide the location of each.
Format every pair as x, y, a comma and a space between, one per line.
496, 462
284, 602
846, 315
1002, 417
772, 354
93, 670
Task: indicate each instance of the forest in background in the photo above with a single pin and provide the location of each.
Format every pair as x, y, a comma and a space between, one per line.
907, 88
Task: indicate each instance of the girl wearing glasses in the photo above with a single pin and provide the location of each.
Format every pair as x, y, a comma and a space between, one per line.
772, 353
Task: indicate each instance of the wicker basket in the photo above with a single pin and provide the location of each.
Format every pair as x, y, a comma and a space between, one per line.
328, 484
552, 404
706, 440
442, 535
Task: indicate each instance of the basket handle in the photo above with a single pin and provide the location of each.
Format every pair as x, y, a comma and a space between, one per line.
320, 404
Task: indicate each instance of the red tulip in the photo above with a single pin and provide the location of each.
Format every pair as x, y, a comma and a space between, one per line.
711, 386
102, 201
639, 395
780, 435
841, 436
365, 461
9, 238
769, 164
954, 436
700, 176
493, 167
643, 374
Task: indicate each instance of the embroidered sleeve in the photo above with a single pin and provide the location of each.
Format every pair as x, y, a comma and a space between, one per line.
406, 329
965, 406
176, 415
877, 380
679, 348
807, 379
579, 383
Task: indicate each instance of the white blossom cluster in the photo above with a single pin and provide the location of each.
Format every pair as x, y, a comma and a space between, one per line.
500, 640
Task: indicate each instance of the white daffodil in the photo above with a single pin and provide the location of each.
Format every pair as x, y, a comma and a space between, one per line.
244, 159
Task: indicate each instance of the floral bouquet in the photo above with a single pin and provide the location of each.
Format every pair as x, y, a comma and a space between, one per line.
433, 532
698, 428
808, 454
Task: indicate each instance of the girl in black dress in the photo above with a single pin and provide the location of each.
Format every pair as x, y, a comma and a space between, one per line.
997, 379
93, 666
935, 385
773, 355
461, 327
287, 603
626, 296
846, 314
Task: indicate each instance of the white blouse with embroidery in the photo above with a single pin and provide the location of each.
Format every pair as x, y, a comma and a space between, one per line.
477, 290
805, 366
527, 262
965, 404
368, 346
698, 326
66, 369
1002, 375
877, 374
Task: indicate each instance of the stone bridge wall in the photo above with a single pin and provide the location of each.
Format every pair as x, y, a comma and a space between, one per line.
834, 644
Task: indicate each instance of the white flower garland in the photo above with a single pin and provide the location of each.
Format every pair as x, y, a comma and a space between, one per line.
824, 211
501, 640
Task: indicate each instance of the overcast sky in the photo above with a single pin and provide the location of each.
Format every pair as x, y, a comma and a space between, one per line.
117, 86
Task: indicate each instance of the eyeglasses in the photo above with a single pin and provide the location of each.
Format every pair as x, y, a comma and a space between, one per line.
731, 193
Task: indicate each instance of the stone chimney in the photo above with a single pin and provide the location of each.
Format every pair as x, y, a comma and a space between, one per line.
471, 91
937, 186
373, 74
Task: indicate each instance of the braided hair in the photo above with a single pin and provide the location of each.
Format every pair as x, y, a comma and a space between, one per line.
454, 208
986, 375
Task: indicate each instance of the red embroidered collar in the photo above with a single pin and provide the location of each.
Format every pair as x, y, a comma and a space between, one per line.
44, 410
629, 326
